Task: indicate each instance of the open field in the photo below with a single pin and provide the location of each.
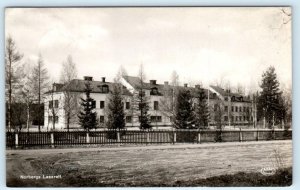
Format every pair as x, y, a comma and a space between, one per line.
143, 166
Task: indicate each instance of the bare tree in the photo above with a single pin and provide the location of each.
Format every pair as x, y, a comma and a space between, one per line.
240, 89
40, 83
28, 96
121, 72
12, 57
69, 70
168, 101
70, 105
141, 102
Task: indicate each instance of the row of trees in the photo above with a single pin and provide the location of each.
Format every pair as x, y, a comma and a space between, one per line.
26, 83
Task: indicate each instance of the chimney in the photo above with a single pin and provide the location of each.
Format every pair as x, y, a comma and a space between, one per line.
88, 78
153, 82
103, 79
57, 86
185, 85
197, 86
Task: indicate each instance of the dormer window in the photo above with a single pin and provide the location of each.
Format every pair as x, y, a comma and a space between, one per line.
233, 98
105, 89
154, 91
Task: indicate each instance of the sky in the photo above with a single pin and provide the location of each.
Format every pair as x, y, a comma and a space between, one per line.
203, 45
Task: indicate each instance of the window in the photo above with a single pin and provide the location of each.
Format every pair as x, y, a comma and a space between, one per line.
93, 104
244, 108
127, 105
56, 103
232, 108
216, 118
155, 105
50, 119
215, 107
155, 118
154, 91
102, 104
128, 119
50, 105
240, 109
241, 118
105, 89
236, 109
244, 118
101, 119
232, 118
226, 99
226, 108
237, 118
225, 118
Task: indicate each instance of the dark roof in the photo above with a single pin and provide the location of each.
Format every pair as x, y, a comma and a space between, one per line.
136, 83
78, 85
237, 97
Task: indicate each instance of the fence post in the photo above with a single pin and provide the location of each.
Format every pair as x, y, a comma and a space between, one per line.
257, 135
199, 136
87, 137
241, 135
118, 136
17, 139
174, 136
52, 139
147, 136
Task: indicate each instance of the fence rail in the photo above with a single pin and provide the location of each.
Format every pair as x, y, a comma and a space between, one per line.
64, 138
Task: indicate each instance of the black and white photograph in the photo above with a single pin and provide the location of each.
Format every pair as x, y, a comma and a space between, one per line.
148, 96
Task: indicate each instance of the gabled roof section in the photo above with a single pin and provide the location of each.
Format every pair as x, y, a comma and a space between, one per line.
135, 82
233, 96
77, 85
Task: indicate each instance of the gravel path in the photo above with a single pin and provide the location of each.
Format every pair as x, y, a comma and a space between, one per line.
151, 164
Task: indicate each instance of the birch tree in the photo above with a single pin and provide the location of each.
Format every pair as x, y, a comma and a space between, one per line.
168, 100
40, 81
70, 103
12, 58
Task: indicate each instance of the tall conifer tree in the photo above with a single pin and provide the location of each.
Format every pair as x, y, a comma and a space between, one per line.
270, 103
87, 116
201, 109
184, 117
115, 118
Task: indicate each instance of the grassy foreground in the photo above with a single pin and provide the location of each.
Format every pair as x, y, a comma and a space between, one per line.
280, 178
218, 165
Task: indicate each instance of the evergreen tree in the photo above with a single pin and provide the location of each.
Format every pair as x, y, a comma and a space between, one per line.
144, 116
184, 117
115, 109
270, 102
87, 116
201, 109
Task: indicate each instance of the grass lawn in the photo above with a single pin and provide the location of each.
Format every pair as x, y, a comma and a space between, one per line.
230, 165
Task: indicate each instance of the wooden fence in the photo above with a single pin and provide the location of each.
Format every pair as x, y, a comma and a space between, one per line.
65, 138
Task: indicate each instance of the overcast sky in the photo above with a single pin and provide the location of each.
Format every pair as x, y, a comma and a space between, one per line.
201, 44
